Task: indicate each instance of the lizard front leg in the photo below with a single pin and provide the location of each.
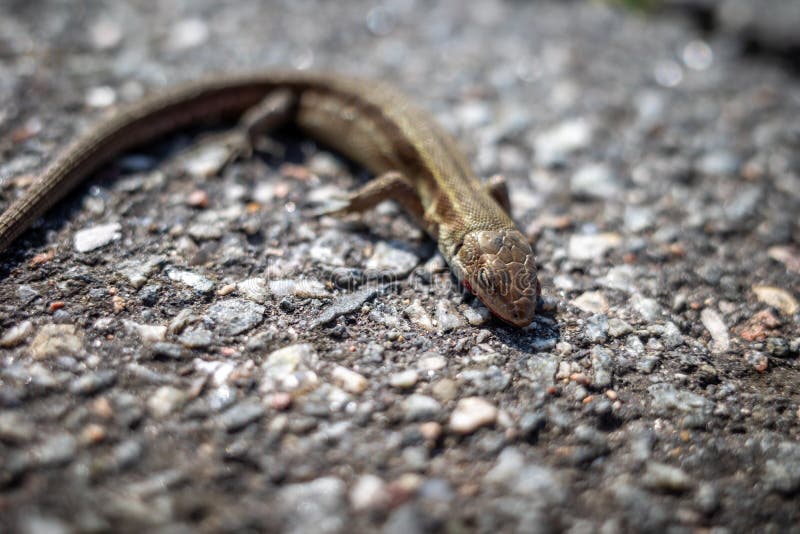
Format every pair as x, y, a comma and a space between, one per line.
391, 185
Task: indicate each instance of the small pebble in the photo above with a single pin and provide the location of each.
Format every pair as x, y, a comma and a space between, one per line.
418, 316
350, 381
404, 380
56, 340
470, 414
431, 430
198, 199
445, 389
106, 33
100, 97
234, 316
197, 282
716, 327
165, 400
196, 338
254, 289
592, 246
319, 506
778, 299
187, 33
96, 237
477, 316
240, 415
553, 146
91, 383
147, 333
421, 407
596, 180
667, 478
432, 362
369, 493
16, 334
591, 302
394, 260
448, 317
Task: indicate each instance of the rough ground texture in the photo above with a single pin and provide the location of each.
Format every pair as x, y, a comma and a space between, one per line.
184, 348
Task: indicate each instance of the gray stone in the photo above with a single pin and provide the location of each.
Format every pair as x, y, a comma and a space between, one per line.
196, 338
448, 317
58, 449
592, 247
696, 409
603, 366
596, 328
554, 145
91, 383
421, 407
240, 415
199, 283
15, 428
315, 506
719, 162
782, 472
596, 180
234, 316
345, 304
392, 259
138, 272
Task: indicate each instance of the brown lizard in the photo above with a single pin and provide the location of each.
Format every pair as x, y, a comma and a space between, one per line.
416, 163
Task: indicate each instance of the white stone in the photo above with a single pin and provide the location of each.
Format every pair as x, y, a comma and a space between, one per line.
448, 317
716, 327
472, 413
591, 302
777, 298
16, 334
350, 381
404, 380
147, 332
592, 246
369, 493
95, 237
418, 316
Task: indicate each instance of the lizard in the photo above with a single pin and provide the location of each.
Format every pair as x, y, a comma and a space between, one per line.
414, 161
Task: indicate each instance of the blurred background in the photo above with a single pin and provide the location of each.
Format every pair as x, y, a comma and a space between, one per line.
652, 153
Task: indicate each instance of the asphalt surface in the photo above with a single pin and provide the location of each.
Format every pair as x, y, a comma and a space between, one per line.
185, 348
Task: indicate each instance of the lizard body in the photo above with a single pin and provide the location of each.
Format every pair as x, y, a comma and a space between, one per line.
417, 164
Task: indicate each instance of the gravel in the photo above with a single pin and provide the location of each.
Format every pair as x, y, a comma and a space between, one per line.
185, 347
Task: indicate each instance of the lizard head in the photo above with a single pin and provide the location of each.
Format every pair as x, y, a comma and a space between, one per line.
499, 268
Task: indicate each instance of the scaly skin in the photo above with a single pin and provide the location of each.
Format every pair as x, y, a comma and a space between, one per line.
368, 122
